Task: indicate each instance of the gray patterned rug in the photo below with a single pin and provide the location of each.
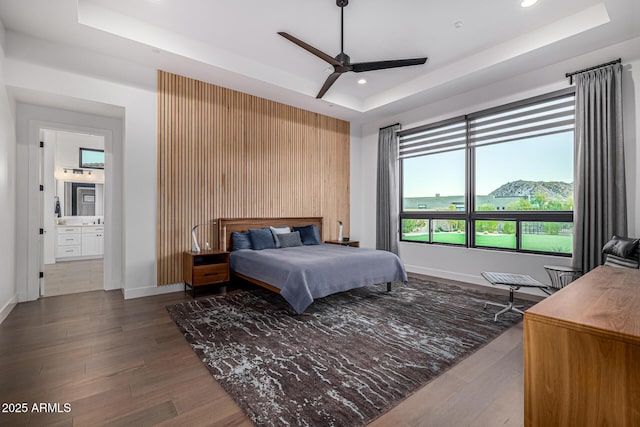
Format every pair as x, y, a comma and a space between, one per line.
347, 360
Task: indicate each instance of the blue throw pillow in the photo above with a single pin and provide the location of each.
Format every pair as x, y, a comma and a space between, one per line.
240, 241
309, 234
261, 239
290, 240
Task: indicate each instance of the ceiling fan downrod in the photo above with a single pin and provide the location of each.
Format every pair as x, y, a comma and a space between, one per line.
342, 57
341, 4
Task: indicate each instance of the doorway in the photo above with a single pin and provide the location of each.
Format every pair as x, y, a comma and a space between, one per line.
73, 206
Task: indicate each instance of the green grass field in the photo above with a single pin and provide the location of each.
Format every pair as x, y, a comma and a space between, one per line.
531, 242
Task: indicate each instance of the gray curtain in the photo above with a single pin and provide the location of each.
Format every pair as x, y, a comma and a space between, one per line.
600, 207
387, 190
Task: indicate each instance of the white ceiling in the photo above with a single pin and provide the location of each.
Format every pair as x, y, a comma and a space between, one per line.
235, 43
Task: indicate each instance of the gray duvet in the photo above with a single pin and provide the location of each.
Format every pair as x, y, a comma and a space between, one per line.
304, 273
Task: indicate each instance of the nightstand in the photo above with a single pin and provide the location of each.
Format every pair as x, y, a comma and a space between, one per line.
352, 243
204, 268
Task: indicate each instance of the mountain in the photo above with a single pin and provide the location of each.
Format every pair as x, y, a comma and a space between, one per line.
554, 190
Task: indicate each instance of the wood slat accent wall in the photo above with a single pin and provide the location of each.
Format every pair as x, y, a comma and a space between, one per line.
223, 153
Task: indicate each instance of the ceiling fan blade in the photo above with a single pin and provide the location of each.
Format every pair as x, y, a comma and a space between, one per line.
327, 84
381, 65
331, 60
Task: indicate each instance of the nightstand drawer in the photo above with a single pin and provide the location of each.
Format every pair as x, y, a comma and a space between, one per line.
212, 273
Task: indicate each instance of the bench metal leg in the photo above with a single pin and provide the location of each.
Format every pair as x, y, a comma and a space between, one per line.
505, 307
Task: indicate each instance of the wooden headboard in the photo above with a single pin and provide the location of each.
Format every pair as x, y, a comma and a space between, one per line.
226, 226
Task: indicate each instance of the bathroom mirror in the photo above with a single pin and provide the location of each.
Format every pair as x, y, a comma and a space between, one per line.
80, 198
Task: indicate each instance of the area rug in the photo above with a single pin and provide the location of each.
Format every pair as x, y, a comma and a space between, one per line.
350, 358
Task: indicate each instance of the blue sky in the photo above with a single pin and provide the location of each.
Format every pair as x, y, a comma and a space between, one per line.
548, 158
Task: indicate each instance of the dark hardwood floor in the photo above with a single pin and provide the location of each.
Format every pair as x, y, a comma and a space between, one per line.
124, 362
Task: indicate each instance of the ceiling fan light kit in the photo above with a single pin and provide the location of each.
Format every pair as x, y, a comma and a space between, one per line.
342, 62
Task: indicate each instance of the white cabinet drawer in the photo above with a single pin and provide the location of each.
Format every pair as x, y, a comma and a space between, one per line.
92, 230
69, 251
69, 239
69, 230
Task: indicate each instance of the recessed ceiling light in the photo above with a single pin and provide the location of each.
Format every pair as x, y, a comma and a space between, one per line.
528, 3
457, 24
362, 81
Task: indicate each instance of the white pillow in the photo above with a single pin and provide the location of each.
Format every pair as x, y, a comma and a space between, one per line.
279, 230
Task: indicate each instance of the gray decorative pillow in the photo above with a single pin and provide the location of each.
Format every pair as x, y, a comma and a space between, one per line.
289, 240
279, 230
621, 247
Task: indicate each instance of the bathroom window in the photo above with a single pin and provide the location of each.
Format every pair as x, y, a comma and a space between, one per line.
91, 159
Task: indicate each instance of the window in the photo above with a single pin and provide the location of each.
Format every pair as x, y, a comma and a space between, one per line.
91, 159
500, 178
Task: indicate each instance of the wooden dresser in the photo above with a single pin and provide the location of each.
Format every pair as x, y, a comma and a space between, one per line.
582, 353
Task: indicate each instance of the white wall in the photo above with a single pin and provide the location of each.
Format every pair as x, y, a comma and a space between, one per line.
355, 193
68, 145
138, 175
8, 291
467, 263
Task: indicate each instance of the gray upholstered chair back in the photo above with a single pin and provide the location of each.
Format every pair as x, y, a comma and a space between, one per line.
632, 261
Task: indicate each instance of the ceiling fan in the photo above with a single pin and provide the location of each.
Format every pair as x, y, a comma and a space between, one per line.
342, 62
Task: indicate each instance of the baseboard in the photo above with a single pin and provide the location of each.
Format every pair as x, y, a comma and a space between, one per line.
461, 277
444, 274
148, 291
4, 312
113, 287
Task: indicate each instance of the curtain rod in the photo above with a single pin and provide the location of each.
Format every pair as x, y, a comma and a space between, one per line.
570, 75
395, 124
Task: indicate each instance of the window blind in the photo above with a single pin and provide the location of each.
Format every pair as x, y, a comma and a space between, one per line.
542, 118
433, 139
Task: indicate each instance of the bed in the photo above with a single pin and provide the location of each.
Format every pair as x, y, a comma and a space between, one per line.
304, 273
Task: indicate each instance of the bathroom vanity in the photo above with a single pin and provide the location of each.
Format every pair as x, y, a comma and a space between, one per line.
75, 242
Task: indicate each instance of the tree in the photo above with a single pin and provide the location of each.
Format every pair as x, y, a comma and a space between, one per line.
486, 207
567, 205
486, 226
455, 225
521, 205
411, 225
554, 205
551, 228
539, 200
509, 227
